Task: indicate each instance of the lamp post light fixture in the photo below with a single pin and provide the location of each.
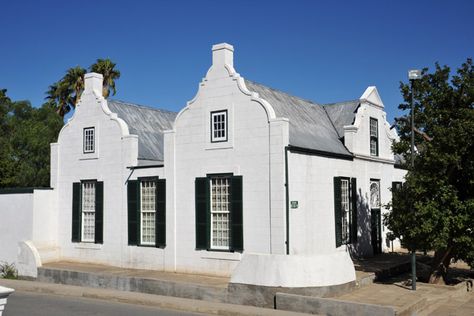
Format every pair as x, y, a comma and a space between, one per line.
414, 74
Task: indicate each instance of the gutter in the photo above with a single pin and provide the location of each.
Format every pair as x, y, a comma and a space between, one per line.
145, 167
287, 199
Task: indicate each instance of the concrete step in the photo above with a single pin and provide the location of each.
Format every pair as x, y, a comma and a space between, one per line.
200, 288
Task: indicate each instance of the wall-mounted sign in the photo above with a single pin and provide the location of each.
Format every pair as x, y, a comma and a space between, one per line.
294, 204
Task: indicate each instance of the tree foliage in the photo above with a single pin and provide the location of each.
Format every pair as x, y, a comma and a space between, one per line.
25, 135
107, 68
434, 210
65, 94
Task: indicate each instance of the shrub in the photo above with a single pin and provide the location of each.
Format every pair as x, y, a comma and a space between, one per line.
8, 271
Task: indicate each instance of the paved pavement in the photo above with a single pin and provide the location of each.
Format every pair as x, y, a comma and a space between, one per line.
460, 307
36, 304
150, 300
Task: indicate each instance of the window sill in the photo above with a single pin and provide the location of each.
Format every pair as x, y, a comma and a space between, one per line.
219, 145
87, 245
222, 255
89, 158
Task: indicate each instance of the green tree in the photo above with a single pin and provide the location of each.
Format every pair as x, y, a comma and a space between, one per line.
66, 93
434, 210
107, 68
24, 142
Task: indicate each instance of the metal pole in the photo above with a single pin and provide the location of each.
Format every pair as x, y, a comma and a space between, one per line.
413, 254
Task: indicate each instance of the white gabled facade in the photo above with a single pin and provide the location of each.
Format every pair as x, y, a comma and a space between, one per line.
240, 200
115, 150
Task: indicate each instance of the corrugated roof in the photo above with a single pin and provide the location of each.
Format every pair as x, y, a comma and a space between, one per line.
146, 122
310, 125
341, 114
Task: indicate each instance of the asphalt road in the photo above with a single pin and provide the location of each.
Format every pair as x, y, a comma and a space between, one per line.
34, 304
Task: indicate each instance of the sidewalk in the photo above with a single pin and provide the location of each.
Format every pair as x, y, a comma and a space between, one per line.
212, 292
165, 302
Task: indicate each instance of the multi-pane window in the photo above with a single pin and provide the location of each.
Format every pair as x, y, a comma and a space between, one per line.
220, 212
374, 137
148, 210
219, 126
89, 140
88, 211
346, 210
375, 194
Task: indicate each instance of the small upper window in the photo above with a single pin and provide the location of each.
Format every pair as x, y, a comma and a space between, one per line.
219, 126
89, 140
374, 137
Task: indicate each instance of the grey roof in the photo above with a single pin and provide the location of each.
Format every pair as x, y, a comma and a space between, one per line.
146, 122
341, 114
310, 125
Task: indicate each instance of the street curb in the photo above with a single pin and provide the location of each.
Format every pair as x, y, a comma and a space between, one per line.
165, 302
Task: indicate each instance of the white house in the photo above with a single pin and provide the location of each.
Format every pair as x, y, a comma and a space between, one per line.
245, 181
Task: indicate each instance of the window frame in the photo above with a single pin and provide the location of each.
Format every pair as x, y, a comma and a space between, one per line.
83, 182
228, 212
375, 137
349, 223
379, 194
226, 126
84, 140
140, 181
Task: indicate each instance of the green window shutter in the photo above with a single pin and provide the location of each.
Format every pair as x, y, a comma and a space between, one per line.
133, 198
354, 210
337, 211
160, 214
76, 212
99, 213
202, 213
236, 216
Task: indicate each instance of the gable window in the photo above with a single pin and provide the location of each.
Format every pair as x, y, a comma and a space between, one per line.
219, 213
219, 126
147, 212
374, 137
89, 140
87, 211
345, 210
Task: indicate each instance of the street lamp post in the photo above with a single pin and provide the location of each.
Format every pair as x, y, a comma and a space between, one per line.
413, 75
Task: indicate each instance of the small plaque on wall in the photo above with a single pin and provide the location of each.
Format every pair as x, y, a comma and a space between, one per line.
294, 204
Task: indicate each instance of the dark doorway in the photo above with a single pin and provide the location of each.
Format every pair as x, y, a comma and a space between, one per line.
376, 225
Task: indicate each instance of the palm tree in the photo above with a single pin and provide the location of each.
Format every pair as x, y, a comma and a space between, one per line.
66, 93
58, 96
107, 68
74, 78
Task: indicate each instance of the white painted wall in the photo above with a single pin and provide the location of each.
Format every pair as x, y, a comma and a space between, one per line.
16, 224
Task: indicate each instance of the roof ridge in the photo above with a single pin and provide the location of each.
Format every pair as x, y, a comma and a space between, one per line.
342, 102
142, 106
332, 123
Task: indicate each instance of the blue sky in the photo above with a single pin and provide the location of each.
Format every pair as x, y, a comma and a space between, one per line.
325, 51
